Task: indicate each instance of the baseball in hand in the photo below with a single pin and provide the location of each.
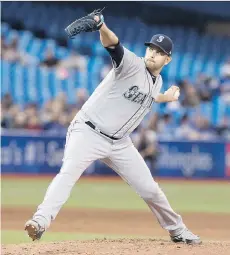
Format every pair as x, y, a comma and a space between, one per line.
177, 94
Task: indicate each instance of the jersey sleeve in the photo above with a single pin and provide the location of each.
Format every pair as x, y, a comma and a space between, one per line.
116, 53
125, 62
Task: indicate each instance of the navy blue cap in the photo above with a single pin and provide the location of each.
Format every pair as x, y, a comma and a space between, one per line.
163, 42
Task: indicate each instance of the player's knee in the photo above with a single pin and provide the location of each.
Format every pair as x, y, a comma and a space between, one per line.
150, 193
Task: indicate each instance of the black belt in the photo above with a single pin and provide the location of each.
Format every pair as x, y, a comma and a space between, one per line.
93, 127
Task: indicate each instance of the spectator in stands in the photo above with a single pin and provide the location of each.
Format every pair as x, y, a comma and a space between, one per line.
166, 127
54, 126
7, 101
189, 96
14, 110
72, 113
34, 123
50, 60
33, 120
61, 99
3, 47
31, 110
223, 129
204, 129
75, 61
185, 130
46, 111
11, 53
58, 105
153, 121
225, 82
8, 116
5, 120
174, 107
81, 97
205, 87
146, 143
225, 69
20, 121
64, 120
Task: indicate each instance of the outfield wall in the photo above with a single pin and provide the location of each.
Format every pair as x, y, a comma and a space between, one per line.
36, 154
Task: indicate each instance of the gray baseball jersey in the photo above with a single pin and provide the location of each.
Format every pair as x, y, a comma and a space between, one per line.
116, 107
123, 98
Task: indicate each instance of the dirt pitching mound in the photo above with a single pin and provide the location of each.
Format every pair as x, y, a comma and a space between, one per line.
117, 247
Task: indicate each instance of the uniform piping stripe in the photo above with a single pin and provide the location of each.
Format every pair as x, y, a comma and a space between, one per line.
137, 109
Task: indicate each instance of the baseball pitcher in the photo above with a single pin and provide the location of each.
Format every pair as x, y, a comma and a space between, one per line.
101, 129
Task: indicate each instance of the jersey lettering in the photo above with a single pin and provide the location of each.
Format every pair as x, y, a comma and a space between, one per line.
142, 99
134, 95
131, 92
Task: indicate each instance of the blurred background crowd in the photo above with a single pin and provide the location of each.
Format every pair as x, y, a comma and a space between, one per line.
46, 78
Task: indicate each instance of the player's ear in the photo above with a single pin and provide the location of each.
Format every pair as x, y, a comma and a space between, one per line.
168, 60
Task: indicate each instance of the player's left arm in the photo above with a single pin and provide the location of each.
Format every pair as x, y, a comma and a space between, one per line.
120, 56
112, 44
170, 95
108, 37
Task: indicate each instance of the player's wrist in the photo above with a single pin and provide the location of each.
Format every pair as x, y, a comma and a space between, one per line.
167, 97
100, 21
102, 27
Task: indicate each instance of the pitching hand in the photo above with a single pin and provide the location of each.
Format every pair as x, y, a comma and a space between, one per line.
173, 93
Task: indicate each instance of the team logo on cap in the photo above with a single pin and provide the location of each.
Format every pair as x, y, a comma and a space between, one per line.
160, 38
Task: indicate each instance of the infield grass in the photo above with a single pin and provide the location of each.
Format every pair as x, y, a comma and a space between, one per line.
183, 196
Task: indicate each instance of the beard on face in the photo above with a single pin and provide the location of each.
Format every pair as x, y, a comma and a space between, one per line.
152, 65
